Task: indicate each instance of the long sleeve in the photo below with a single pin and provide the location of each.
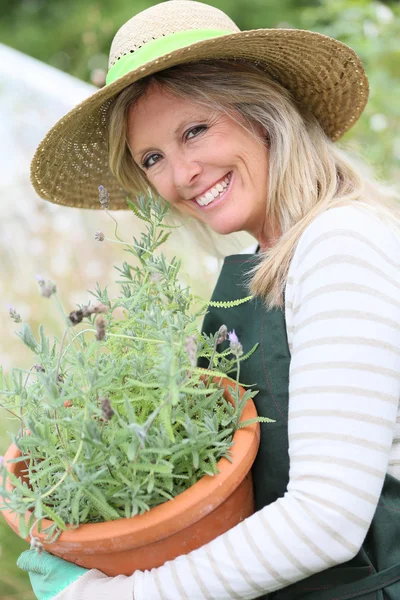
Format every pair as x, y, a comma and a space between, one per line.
342, 318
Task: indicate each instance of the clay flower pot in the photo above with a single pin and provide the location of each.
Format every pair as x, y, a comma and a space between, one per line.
209, 508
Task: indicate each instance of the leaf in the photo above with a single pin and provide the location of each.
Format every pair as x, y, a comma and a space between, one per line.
100, 502
196, 460
44, 342
131, 451
165, 418
255, 420
26, 335
163, 239
53, 516
150, 484
26, 492
23, 527
221, 374
39, 509
137, 210
165, 469
249, 353
75, 505
141, 384
230, 303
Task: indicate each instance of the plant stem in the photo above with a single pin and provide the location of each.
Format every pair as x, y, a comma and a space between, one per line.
120, 335
210, 366
237, 388
61, 347
116, 228
10, 411
20, 406
57, 371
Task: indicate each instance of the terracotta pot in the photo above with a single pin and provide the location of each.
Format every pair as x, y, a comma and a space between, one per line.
207, 509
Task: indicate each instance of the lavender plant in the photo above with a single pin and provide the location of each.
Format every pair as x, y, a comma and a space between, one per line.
116, 418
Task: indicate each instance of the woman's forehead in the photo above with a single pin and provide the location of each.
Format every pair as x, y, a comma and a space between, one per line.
158, 98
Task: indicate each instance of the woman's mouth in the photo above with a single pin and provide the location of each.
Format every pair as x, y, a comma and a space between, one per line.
215, 194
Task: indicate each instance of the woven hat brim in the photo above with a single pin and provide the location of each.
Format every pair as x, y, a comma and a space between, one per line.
321, 73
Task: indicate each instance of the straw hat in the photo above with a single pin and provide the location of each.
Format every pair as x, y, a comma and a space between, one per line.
321, 73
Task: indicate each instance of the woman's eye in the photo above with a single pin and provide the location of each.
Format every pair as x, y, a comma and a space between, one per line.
146, 163
195, 131
151, 160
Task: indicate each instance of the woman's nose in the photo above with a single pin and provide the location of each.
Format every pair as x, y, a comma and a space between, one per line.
185, 172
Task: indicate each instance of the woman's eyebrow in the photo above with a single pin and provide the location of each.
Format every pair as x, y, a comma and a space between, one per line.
188, 118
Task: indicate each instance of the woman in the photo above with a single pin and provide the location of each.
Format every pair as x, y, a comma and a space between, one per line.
235, 129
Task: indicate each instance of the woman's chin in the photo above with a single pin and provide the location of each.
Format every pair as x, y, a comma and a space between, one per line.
225, 229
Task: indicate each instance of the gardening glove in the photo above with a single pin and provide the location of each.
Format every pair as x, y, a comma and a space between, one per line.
49, 575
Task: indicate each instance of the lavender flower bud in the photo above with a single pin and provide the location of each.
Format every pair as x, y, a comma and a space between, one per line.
16, 317
234, 344
39, 368
191, 349
37, 545
222, 334
106, 409
75, 317
99, 236
100, 328
104, 197
98, 308
47, 288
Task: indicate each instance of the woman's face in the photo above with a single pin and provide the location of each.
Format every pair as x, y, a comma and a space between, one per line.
201, 161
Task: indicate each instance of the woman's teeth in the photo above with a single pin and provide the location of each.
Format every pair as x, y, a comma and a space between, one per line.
214, 192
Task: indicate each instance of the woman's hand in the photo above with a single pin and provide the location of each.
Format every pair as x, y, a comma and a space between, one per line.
49, 575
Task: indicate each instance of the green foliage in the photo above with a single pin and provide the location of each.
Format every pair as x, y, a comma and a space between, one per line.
120, 419
231, 303
372, 29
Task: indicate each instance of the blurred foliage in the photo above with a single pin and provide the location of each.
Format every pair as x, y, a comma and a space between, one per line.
75, 37
372, 29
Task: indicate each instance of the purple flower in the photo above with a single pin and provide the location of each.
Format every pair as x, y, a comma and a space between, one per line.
1, 461
233, 337
16, 317
234, 344
104, 197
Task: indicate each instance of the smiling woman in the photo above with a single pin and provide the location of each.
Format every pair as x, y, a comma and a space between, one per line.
236, 130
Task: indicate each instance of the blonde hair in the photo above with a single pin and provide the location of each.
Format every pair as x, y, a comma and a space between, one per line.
308, 174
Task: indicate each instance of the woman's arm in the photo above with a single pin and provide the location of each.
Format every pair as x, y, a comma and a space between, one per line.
343, 317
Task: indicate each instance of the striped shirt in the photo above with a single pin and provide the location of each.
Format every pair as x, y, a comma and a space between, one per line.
343, 326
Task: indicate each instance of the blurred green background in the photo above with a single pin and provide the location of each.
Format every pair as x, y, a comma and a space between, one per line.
75, 37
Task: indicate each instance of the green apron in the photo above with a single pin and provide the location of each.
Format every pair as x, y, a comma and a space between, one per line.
374, 574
